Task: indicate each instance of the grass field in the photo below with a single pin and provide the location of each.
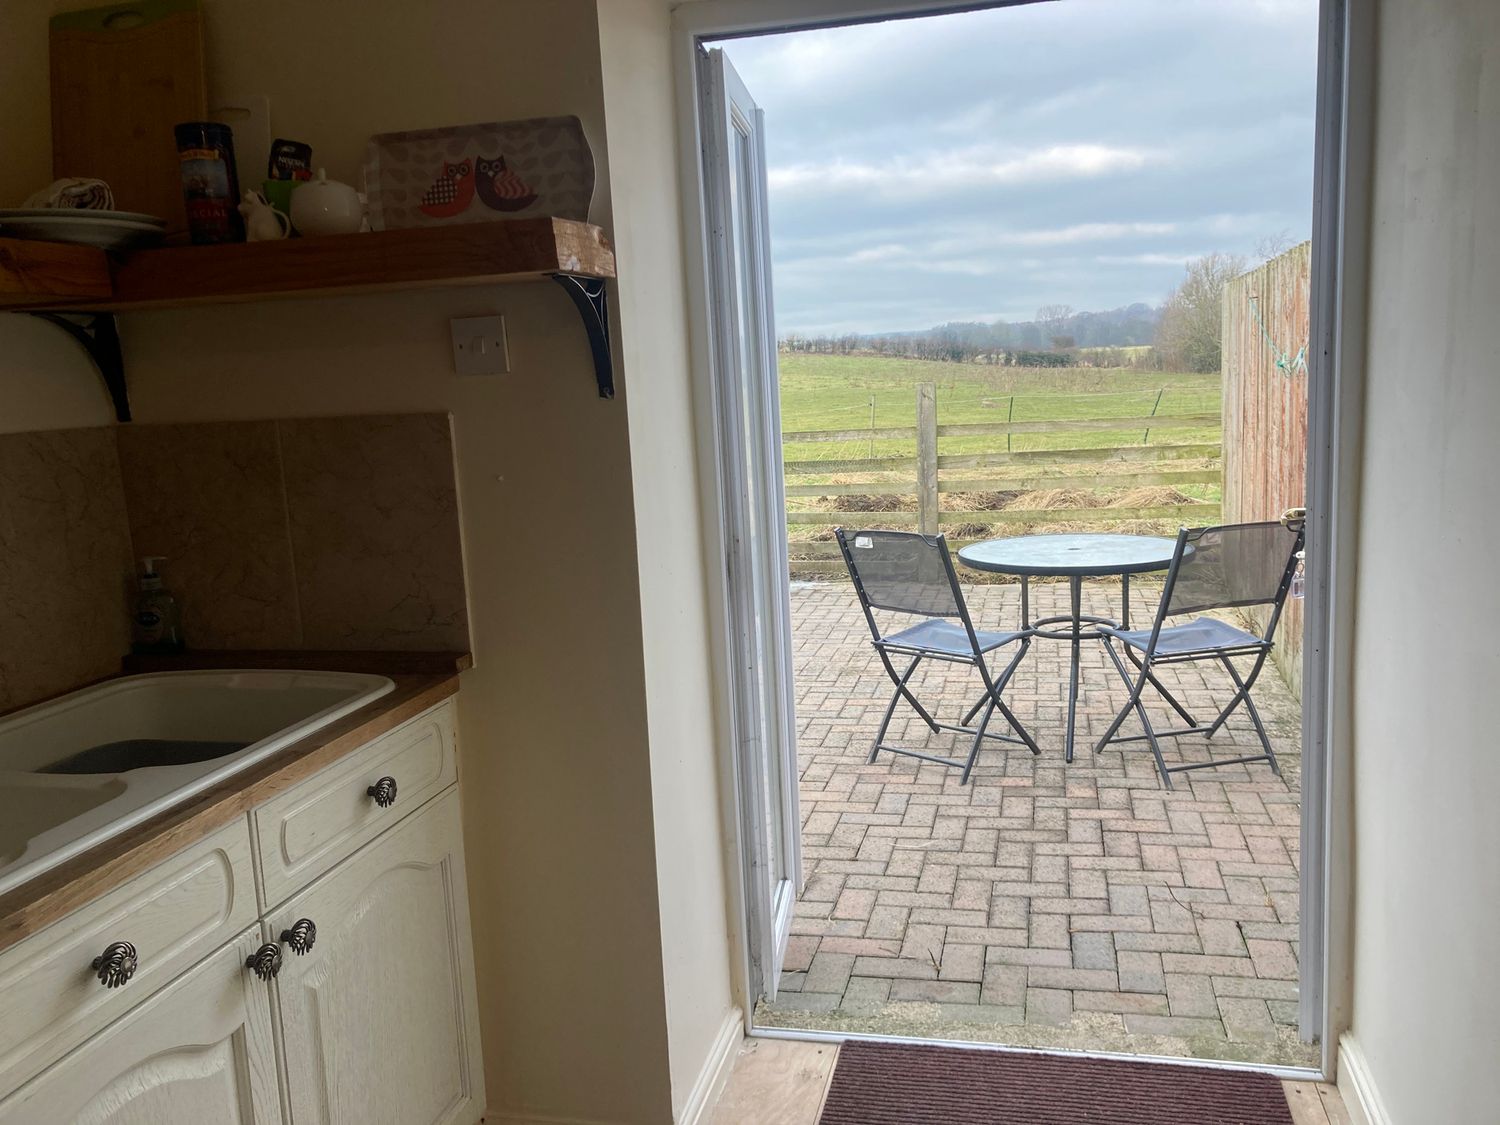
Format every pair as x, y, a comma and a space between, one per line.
824, 392
860, 392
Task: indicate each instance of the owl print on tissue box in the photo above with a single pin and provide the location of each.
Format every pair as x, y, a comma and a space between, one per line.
479, 173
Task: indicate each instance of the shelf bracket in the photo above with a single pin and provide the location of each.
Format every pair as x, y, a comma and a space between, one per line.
99, 336
590, 298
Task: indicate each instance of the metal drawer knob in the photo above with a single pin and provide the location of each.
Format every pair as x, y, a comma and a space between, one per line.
265, 962
300, 938
384, 792
116, 965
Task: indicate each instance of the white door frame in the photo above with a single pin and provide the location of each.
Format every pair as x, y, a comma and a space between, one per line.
1335, 410
749, 431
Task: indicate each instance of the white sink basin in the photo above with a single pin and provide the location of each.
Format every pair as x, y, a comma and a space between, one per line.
80, 769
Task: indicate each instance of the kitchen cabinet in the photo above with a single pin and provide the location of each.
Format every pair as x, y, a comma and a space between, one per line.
377, 1017
349, 1001
200, 1050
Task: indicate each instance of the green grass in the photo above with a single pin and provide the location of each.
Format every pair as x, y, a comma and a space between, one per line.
820, 392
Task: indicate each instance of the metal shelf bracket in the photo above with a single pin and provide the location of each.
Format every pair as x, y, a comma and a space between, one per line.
591, 299
99, 336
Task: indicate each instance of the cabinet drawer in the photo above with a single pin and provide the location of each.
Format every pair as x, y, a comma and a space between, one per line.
175, 914
306, 830
200, 1051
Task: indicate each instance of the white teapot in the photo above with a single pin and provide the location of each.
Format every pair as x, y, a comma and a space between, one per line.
325, 206
263, 223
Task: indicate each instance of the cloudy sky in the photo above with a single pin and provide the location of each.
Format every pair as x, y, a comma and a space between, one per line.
975, 166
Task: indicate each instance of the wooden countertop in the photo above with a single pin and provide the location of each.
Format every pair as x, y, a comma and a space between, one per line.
62, 889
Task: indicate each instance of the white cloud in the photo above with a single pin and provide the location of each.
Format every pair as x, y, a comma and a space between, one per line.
1087, 232
1149, 258
943, 173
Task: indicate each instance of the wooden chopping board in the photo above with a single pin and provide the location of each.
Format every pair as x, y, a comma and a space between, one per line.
122, 77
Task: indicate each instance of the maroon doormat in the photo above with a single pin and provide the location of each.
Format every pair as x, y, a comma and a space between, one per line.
906, 1084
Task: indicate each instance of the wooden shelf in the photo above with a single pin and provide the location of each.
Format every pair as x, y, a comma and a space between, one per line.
466, 254
51, 277
41, 274
55, 275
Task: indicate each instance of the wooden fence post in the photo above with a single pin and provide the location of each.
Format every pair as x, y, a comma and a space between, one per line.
927, 459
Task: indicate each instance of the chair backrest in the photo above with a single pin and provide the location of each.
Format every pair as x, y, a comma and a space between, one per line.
902, 571
1234, 565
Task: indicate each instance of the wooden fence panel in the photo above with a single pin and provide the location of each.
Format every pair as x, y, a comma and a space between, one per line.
1266, 333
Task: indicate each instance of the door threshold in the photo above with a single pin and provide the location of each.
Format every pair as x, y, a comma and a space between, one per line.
1286, 1073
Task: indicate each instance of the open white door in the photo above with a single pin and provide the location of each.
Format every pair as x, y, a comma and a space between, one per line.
749, 422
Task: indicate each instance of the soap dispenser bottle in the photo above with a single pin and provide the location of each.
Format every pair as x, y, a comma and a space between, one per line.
157, 626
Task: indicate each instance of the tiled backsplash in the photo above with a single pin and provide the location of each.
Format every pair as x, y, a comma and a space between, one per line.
322, 533
64, 563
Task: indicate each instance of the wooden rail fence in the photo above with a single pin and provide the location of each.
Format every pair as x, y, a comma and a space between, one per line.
930, 474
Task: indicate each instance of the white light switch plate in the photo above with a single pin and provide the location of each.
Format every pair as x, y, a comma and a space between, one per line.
479, 346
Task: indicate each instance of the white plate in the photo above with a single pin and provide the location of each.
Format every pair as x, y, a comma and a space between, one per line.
57, 226
80, 213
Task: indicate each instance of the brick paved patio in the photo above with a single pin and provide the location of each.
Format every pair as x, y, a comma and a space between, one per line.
1043, 904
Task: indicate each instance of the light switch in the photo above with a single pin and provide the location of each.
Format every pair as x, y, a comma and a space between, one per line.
479, 346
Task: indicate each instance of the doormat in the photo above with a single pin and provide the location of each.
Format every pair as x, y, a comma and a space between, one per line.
908, 1084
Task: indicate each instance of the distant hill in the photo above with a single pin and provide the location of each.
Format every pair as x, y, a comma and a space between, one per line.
1123, 327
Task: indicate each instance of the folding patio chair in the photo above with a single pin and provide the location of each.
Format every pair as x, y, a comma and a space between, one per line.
905, 572
1232, 566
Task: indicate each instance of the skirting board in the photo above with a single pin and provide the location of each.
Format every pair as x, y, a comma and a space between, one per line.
1357, 1086
710, 1083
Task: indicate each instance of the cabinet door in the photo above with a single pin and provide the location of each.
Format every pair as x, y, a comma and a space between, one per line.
378, 1017
198, 1051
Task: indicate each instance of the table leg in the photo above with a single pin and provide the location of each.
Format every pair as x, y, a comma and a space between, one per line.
1075, 591
1124, 601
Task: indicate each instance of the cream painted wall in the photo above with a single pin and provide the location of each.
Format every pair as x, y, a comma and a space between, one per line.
48, 382
568, 715
1427, 868
639, 111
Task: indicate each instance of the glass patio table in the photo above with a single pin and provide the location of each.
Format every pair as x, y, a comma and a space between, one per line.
1074, 557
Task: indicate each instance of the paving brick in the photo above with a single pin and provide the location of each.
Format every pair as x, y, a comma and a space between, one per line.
1061, 877
1246, 1019
1004, 985
1273, 959
865, 996
1191, 995
1221, 936
935, 991
829, 972
1128, 899
1042, 976
888, 922
1194, 964
808, 1001
1140, 972
1255, 988
1149, 1004
1049, 1006
903, 968
1027, 955
1050, 931
1093, 951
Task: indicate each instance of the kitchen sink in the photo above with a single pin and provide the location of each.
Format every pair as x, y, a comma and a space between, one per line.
83, 768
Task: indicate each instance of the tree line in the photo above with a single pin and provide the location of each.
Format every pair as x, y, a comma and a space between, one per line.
1183, 333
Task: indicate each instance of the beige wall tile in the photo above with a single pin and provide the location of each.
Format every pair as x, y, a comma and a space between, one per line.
209, 497
373, 511
66, 563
